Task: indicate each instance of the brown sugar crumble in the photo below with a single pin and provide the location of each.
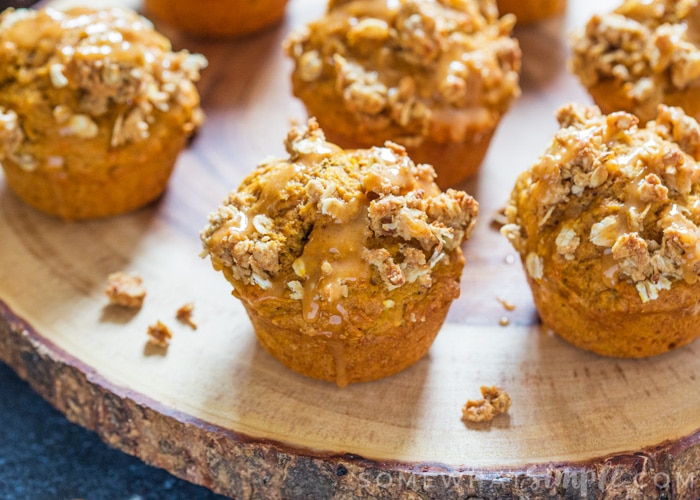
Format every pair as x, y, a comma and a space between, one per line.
494, 401
125, 290
184, 315
159, 334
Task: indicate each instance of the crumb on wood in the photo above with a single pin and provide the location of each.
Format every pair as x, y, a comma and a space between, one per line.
125, 290
159, 334
508, 306
494, 401
184, 315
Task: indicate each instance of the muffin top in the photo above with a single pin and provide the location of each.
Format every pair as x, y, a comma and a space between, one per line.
648, 46
326, 223
413, 63
84, 73
610, 203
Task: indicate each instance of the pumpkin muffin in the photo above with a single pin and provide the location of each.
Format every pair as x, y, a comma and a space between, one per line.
346, 261
642, 54
433, 76
606, 223
217, 18
529, 11
94, 109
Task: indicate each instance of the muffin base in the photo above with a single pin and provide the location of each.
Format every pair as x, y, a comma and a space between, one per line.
99, 183
218, 18
630, 330
390, 344
528, 11
610, 96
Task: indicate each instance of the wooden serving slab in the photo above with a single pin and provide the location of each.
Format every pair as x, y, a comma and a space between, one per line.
217, 410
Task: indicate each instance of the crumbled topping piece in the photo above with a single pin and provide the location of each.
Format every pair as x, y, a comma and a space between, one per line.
385, 60
640, 216
648, 48
534, 264
381, 259
310, 66
297, 290
567, 242
80, 126
58, 79
632, 255
184, 315
159, 334
11, 135
125, 290
494, 402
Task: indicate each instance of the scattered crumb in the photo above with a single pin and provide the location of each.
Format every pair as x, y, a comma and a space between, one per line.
508, 306
504, 321
184, 315
495, 400
159, 334
509, 259
125, 290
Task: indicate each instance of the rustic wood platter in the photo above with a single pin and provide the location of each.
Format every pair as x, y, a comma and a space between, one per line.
216, 409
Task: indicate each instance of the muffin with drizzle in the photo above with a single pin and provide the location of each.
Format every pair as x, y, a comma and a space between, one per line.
607, 226
94, 109
346, 261
435, 76
642, 54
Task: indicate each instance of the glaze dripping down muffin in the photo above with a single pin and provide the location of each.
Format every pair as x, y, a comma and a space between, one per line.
606, 224
345, 260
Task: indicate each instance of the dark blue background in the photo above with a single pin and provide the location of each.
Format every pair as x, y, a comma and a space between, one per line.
43, 456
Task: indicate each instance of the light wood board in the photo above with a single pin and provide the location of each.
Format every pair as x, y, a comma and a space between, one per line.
216, 409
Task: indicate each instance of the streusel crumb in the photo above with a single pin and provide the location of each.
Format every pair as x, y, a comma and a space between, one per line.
125, 290
184, 315
159, 334
494, 402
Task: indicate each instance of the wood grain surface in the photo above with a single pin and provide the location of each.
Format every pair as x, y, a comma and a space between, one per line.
216, 409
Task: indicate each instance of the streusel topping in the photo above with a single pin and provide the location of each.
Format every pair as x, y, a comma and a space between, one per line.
413, 62
325, 221
88, 69
648, 46
609, 191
